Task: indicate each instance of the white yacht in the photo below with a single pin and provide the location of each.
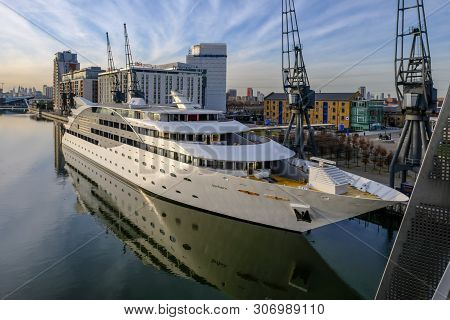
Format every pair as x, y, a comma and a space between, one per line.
194, 157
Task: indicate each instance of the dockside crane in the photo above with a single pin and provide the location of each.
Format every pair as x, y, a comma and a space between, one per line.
116, 91
133, 82
295, 81
414, 86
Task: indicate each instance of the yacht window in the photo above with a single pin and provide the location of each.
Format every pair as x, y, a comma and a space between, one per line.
182, 117
199, 138
188, 159
203, 117
192, 117
190, 137
173, 136
215, 138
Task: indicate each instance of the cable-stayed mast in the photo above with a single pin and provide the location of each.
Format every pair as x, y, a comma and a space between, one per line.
115, 83
414, 86
295, 80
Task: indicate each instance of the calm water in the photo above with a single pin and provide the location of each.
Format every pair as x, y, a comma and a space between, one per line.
70, 230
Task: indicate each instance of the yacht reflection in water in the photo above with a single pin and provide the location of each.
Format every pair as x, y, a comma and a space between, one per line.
243, 260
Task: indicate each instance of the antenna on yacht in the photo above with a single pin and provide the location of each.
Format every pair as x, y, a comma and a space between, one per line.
415, 90
116, 91
295, 81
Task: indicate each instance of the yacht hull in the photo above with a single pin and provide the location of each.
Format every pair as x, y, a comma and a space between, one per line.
214, 192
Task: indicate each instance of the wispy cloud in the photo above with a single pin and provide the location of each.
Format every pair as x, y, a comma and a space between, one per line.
334, 34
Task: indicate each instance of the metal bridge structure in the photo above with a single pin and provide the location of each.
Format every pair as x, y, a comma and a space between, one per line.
418, 267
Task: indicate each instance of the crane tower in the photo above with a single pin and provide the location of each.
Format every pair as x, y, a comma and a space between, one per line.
414, 86
295, 81
115, 81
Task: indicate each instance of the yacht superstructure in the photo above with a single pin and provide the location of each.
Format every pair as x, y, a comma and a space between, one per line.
193, 157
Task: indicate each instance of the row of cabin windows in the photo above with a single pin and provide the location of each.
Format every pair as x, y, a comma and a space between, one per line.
199, 162
158, 116
81, 136
207, 138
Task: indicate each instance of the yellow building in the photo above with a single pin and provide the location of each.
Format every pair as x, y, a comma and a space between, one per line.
333, 108
276, 110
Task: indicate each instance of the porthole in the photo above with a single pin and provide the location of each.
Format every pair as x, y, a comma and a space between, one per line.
123, 154
129, 171
178, 221
194, 196
162, 170
143, 178
186, 246
173, 175
164, 215
152, 224
153, 182
187, 179
172, 238
136, 160
129, 157
162, 231
194, 227
144, 163
153, 167
177, 191
164, 187
136, 174
144, 218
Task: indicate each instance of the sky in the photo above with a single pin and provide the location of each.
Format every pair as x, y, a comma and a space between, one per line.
346, 43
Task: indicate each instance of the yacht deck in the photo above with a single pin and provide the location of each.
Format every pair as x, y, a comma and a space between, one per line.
351, 191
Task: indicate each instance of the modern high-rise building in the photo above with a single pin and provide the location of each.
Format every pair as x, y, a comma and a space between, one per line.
47, 91
232, 93
259, 96
362, 92
63, 62
81, 83
211, 57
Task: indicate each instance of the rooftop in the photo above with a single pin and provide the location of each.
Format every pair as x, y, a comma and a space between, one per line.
326, 96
